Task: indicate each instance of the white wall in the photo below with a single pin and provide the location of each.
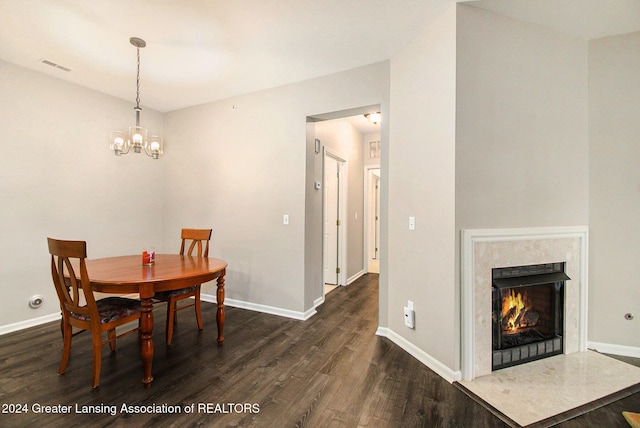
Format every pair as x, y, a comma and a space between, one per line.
614, 190
239, 170
59, 179
421, 165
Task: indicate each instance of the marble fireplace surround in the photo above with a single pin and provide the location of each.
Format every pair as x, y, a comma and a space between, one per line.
485, 249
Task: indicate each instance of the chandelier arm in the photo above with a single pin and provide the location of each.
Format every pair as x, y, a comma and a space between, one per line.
124, 152
145, 148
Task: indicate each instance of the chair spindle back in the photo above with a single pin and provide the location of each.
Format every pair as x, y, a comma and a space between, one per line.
70, 289
196, 237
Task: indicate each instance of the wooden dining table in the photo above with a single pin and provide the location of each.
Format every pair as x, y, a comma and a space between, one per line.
127, 274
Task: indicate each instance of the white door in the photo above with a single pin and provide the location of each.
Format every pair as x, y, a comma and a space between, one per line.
331, 219
376, 241
373, 221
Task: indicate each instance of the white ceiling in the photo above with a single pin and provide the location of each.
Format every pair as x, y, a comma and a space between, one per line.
204, 50
587, 19
363, 124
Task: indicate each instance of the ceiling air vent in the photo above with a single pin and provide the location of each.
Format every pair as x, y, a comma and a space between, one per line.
53, 64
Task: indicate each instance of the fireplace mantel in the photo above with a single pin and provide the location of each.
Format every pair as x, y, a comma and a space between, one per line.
484, 249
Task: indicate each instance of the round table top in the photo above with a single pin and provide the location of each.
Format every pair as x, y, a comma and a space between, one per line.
170, 271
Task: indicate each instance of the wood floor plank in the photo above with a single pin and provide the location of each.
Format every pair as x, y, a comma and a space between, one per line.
329, 371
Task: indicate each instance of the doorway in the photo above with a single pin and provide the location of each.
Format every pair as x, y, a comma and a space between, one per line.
344, 136
334, 204
372, 237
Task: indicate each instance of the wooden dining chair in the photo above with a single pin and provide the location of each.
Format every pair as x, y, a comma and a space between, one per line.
92, 315
194, 238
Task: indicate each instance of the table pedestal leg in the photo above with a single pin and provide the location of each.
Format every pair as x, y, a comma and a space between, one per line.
146, 344
220, 313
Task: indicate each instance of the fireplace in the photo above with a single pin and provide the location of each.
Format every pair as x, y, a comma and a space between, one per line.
527, 313
483, 250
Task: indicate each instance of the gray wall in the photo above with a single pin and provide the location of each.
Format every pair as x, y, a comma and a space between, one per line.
240, 164
522, 125
421, 180
59, 179
547, 136
521, 129
614, 185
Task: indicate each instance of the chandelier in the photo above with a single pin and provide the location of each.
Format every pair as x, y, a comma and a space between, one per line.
119, 142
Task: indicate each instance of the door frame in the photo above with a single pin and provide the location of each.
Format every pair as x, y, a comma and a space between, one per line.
342, 213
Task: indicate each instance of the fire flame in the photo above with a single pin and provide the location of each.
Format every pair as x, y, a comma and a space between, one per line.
512, 308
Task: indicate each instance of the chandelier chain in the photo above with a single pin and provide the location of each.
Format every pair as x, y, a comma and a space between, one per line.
138, 81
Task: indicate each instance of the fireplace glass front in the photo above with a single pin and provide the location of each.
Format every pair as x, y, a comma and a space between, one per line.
528, 312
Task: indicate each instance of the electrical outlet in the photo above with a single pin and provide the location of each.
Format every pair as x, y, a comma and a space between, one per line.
409, 317
36, 301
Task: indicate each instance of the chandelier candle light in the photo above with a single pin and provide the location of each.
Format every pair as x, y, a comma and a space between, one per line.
120, 143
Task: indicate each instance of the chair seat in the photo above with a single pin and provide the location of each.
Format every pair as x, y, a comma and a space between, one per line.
112, 308
164, 295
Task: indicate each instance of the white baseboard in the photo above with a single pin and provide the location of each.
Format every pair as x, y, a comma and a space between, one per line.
262, 308
10, 328
354, 277
443, 371
610, 348
382, 331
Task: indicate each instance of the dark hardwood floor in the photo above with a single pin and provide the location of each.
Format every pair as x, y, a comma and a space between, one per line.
329, 371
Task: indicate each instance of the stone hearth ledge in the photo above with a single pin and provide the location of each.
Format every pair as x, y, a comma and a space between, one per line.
542, 389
